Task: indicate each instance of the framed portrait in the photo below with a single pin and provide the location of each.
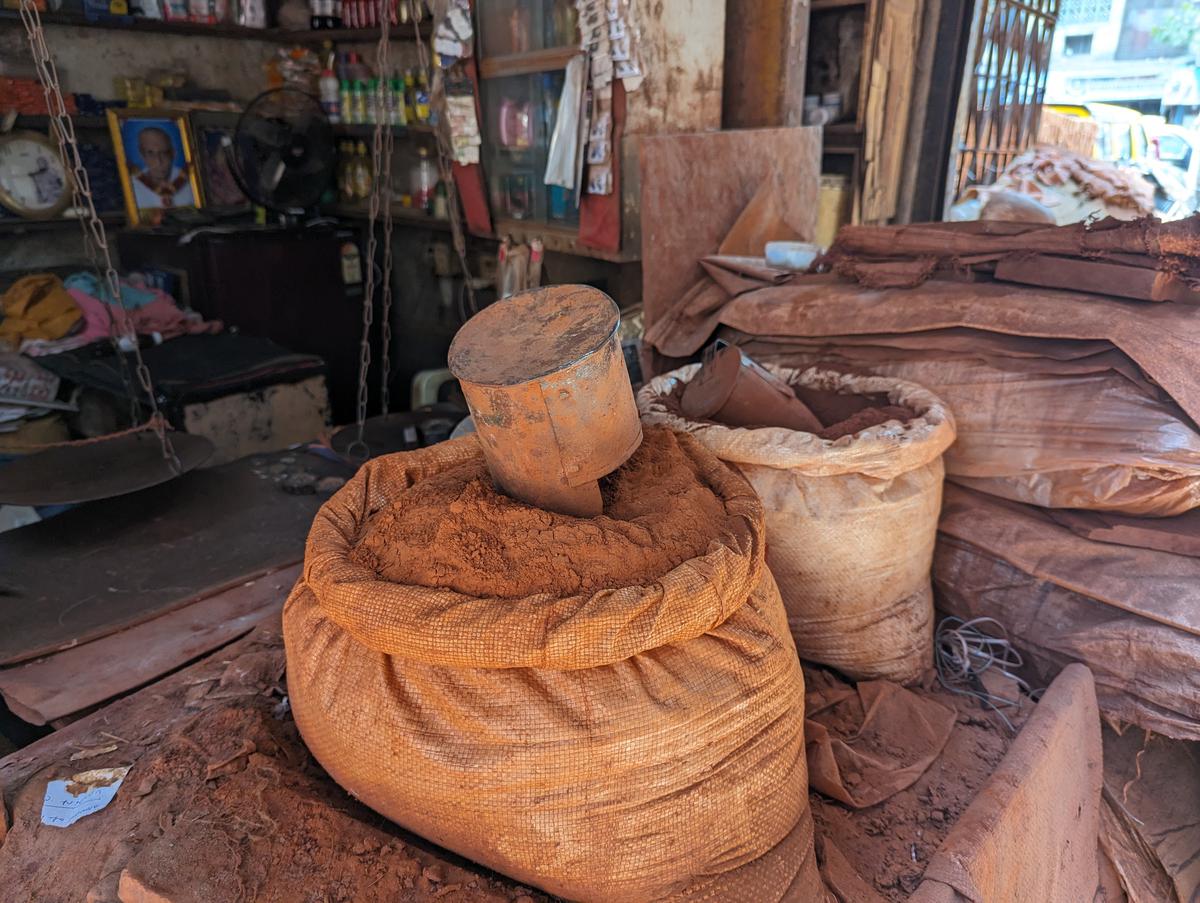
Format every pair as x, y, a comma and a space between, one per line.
155, 162
210, 131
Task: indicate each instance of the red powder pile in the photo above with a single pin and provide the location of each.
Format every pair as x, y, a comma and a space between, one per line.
867, 418
845, 415
456, 531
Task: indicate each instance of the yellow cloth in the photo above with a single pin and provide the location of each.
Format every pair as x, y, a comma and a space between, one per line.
37, 307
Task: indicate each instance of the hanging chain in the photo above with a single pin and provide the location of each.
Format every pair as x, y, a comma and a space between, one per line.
380, 182
445, 157
95, 237
383, 65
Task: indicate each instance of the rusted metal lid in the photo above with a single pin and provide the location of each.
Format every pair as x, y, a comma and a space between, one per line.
533, 334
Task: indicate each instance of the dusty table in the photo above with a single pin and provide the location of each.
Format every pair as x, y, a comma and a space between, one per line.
111, 564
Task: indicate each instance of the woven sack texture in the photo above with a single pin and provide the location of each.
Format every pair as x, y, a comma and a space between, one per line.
638, 744
1059, 434
851, 522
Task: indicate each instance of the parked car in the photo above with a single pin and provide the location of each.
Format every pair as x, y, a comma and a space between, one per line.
1173, 162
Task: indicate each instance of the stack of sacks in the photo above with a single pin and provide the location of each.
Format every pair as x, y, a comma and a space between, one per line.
1063, 400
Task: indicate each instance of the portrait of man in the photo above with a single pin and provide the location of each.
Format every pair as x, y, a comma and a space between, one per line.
156, 166
161, 182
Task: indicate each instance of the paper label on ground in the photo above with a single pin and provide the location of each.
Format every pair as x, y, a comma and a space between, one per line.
67, 801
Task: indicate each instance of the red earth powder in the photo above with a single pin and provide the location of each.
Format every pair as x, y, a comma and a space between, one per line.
456, 531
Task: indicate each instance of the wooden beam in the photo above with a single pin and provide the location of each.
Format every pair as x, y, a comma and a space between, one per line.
76, 679
766, 49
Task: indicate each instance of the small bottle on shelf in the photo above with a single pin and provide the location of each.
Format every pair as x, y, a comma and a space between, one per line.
410, 90
362, 173
440, 204
398, 113
330, 96
424, 181
372, 101
360, 102
421, 101
346, 100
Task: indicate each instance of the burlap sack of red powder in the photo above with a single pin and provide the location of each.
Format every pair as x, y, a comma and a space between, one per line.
607, 708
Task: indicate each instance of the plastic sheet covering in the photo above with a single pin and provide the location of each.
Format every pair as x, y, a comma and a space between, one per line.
563, 157
850, 521
1131, 615
1150, 831
1160, 340
1059, 434
642, 743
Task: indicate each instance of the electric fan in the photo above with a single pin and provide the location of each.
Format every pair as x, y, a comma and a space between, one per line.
282, 151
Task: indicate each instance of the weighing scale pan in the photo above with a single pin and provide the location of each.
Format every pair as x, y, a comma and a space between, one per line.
88, 471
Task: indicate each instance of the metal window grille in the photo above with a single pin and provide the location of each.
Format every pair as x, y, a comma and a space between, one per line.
1005, 86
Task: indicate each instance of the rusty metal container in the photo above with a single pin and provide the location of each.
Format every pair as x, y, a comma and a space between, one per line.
546, 383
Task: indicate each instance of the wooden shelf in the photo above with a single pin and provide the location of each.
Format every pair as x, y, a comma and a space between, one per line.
401, 216
527, 63
348, 35
842, 136
11, 224
42, 121
137, 23
351, 130
819, 5
12, 17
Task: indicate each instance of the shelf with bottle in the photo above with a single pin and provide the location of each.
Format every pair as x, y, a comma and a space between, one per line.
346, 130
401, 215
354, 95
425, 195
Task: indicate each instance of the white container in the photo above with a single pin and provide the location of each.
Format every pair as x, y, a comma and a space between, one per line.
792, 255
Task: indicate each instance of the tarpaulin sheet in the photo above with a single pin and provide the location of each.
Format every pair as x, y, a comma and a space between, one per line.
1162, 339
1132, 615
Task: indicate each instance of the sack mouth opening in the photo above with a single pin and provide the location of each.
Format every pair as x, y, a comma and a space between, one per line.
444, 626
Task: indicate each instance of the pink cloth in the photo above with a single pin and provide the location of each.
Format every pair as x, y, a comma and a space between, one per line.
160, 315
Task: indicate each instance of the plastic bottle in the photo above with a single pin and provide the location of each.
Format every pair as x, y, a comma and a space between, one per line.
410, 110
330, 100
346, 101
362, 173
424, 181
422, 100
372, 101
383, 102
441, 208
360, 102
399, 117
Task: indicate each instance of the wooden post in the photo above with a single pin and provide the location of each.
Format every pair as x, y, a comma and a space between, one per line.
766, 48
